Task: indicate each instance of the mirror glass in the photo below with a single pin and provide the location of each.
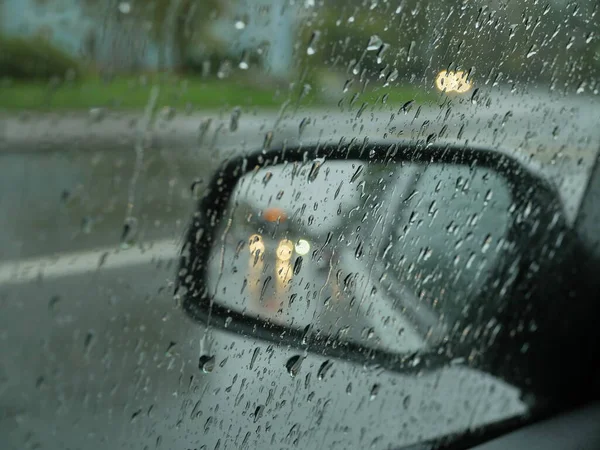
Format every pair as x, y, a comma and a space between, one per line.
384, 255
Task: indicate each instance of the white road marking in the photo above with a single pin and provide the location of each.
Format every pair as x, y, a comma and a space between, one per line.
77, 263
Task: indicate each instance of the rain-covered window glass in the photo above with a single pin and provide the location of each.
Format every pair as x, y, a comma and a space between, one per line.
291, 223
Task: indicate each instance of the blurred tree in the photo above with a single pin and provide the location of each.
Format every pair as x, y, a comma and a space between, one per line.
179, 24
175, 25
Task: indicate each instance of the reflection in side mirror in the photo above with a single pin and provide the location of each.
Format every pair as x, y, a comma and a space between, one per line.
392, 256
301, 249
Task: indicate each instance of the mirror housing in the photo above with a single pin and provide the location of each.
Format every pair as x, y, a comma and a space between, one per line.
492, 336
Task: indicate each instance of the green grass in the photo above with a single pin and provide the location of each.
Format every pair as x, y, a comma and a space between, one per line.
130, 93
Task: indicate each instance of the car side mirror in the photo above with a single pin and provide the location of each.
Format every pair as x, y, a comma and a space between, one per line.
401, 256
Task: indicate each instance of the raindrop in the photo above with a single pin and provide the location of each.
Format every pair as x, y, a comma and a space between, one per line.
407, 106
97, 114
486, 243
258, 412
245, 60
224, 70
129, 233
392, 76
86, 224
347, 85
203, 129
268, 141
356, 174
374, 391
303, 124
206, 363
359, 250
361, 109
135, 415
241, 22
53, 303
88, 341
235, 118
197, 189
298, 265
124, 7
314, 171
293, 365
406, 402
532, 51
349, 389
255, 354
374, 43
381, 52
170, 347
265, 286
324, 369
314, 39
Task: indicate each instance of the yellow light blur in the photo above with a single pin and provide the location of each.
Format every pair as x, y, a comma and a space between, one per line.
285, 249
449, 81
302, 247
283, 271
256, 244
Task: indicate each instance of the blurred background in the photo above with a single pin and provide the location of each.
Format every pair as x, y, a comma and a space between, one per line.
73, 54
89, 88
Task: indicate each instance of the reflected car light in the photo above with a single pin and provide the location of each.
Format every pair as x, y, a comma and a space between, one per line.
285, 249
302, 247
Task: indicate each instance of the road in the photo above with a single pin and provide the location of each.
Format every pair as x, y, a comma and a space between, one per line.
95, 351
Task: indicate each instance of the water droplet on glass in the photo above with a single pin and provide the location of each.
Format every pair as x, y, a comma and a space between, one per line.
235, 118
258, 412
298, 265
53, 303
374, 43
374, 391
203, 129
303, 124
293, 365
314, 39
124, 7
97, 114
206, 363
392, 76
255, 354
129, 233
224, 70
245, 60
87, 224
268, 141
381, 52
324, 369
241, 22
347, 85
406, 402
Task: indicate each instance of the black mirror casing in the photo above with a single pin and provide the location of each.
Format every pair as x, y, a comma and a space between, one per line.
503, 334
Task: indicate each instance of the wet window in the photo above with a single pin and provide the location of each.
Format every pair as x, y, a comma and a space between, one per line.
288, 224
